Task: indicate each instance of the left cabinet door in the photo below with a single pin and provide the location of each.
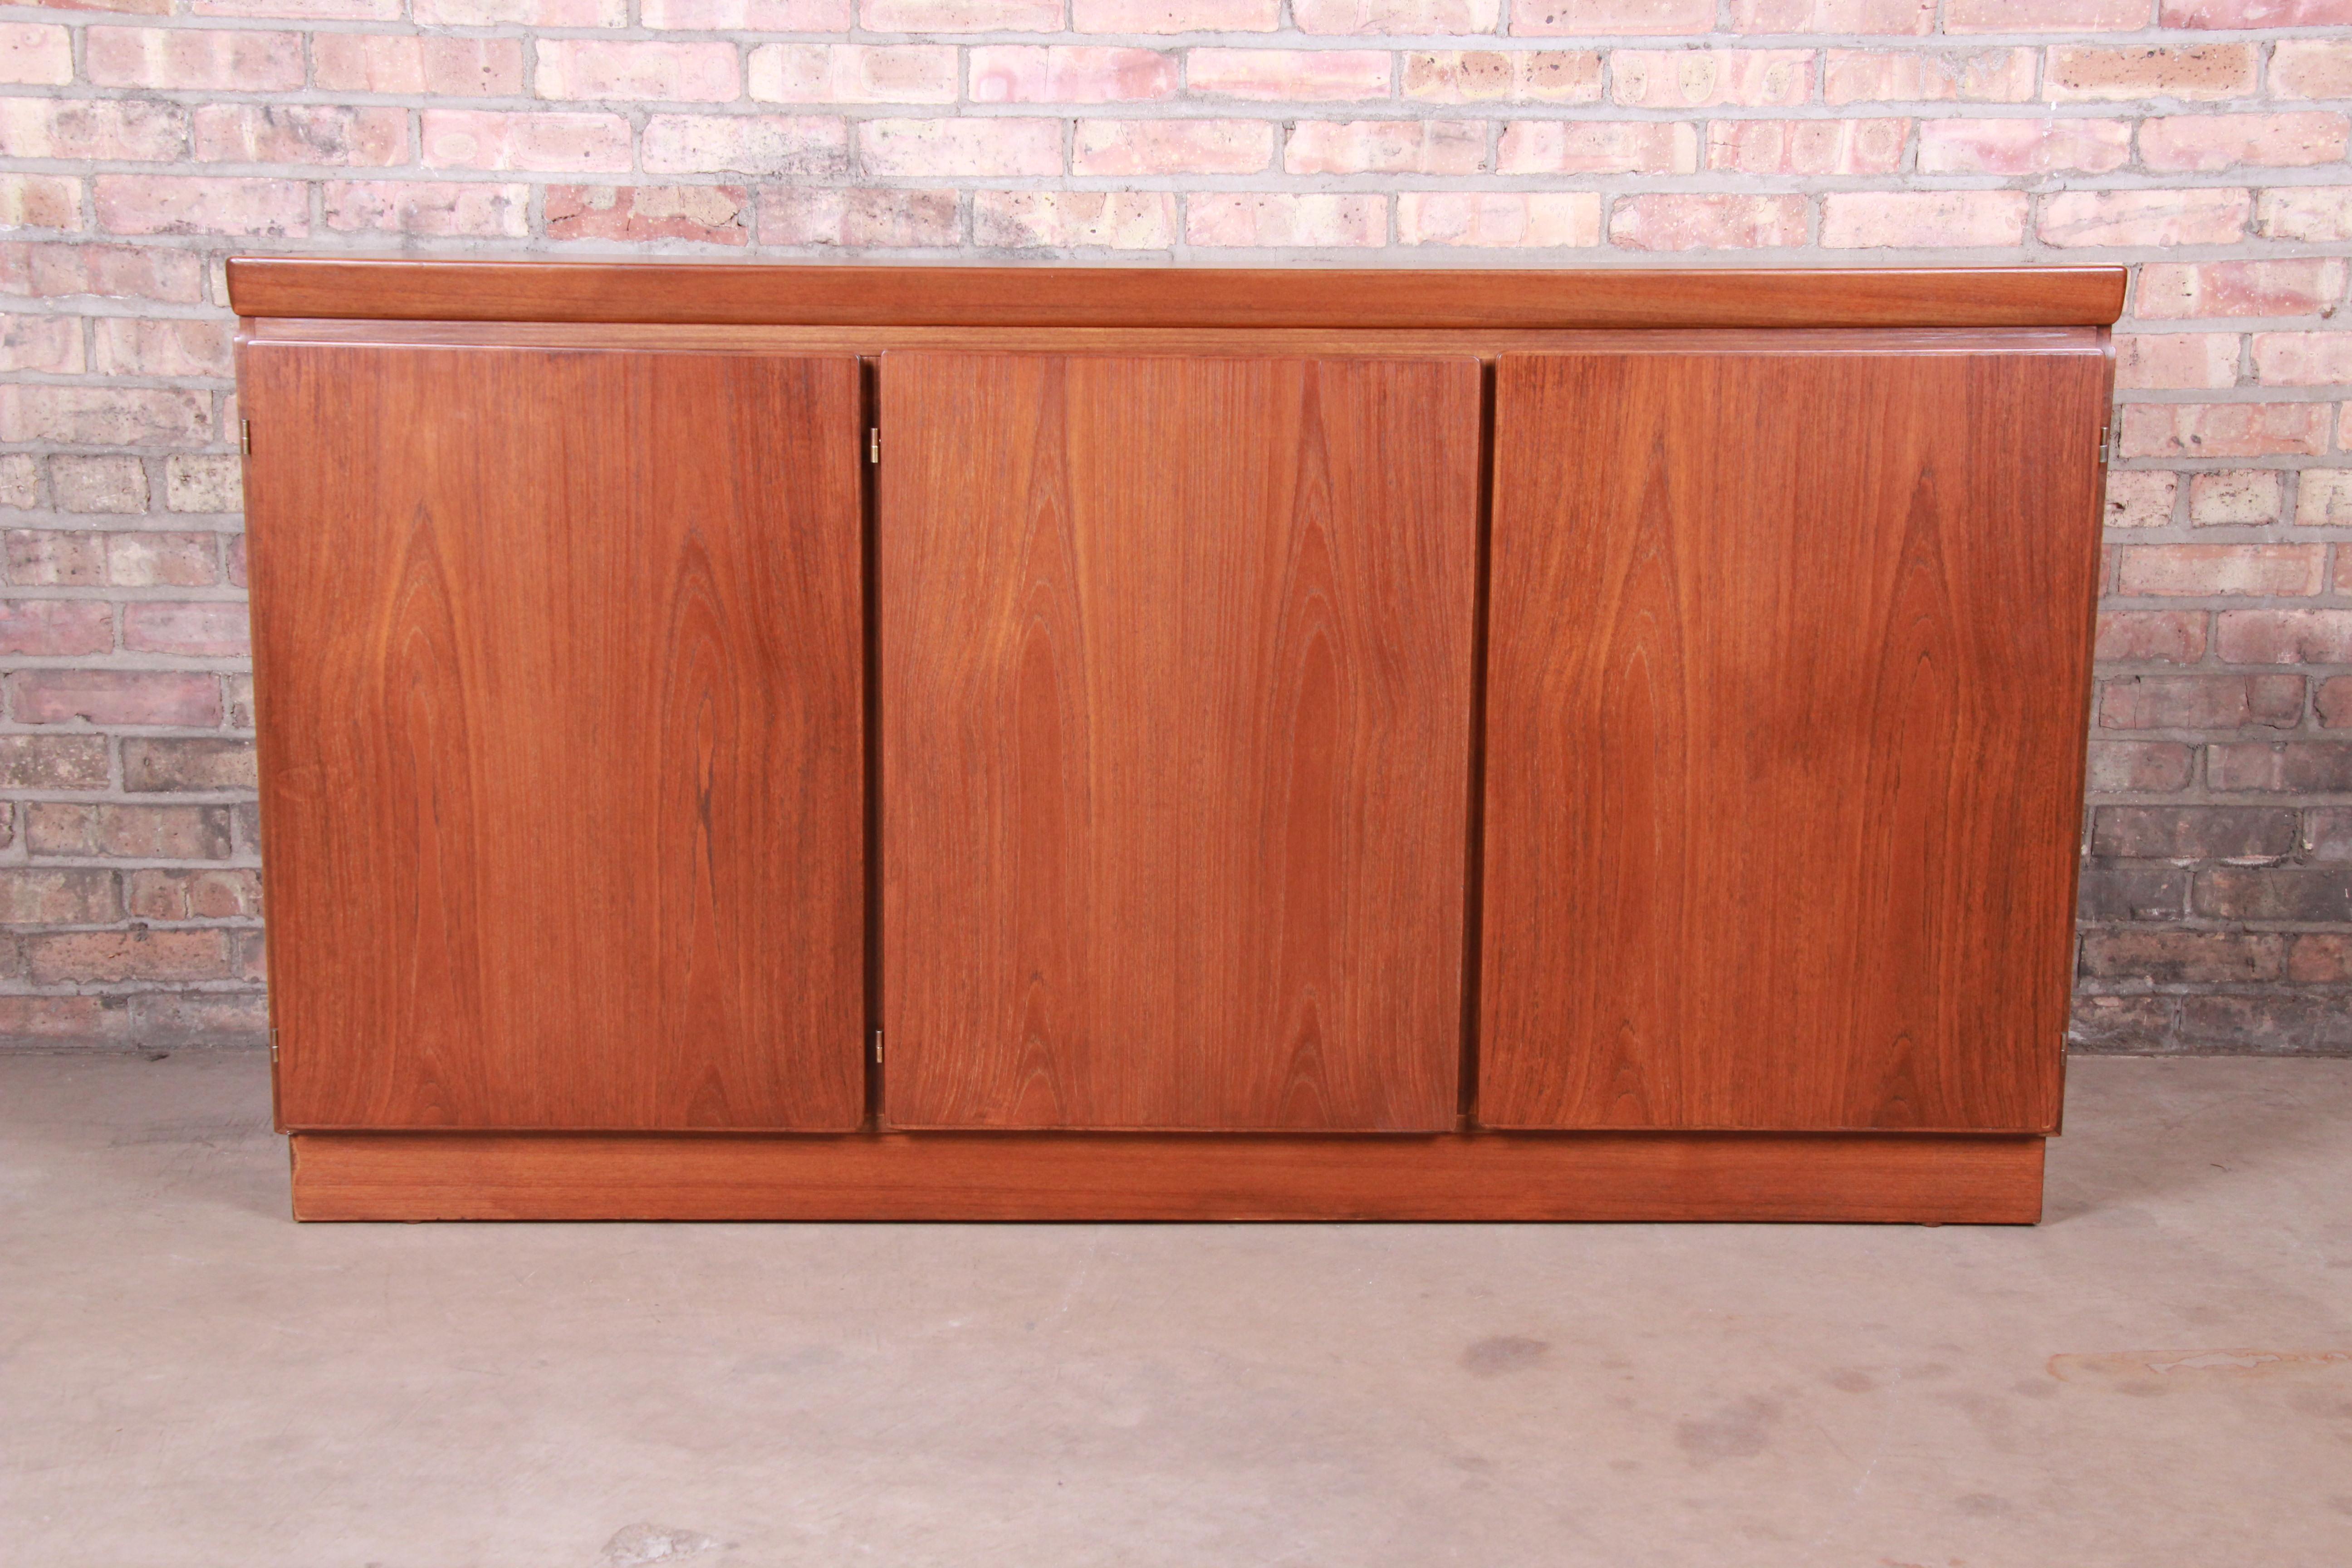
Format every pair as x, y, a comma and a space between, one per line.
559, 668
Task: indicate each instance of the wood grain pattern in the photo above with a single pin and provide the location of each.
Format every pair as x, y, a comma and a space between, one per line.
559, 679
1789, 673
1186, 1177
1175, 684
1139, 297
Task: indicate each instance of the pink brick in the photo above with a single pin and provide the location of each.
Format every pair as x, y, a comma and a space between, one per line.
595, 69
2224, 430
301, 10
1298, 76
2024, 146
144, 559
105, 416
558, 143
971, 17
428, 207
1807, 146
1705, 79
852, 73
2203, 142
2044, 16
2085, 72
2135, 218
1173, 16
878, 219
1112, 220
2235, 498
2211, 570
302, 133
2176, 359
1929, 75
2202, 702
51, 558
40, 201
172, 203
109, 129
1609, 18
204, 628
188, 59
409, 64
2311, 67
33, 54
2257, 14
1913, 16
770, 146
1386, 147
115, 697
1504, 76
750, 16
1027, 73
2151, 636
960, 147
2297, 287
50, 343
1707, 222
1121, 147
524, 12
121, 271
2285, 636
1533, 220
55, 627
2302, 359
714, 214
1921, 219
132, 346
1225, 219
1406, 17
2324, 500
1598, 147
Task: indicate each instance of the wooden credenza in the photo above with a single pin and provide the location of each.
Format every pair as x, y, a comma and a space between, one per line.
883, 743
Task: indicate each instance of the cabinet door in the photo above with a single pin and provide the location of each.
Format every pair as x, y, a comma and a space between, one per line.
1176, 684
558, 657
1789, 673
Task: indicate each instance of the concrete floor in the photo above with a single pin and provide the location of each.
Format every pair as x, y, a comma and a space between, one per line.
2159, 1376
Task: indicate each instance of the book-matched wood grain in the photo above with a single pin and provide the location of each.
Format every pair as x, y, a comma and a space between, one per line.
1175, 688
1195, 1177
730, 293
1788, 669
559, 678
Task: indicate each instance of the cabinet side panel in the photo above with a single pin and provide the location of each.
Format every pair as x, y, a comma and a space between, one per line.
1788, 670
560, 689
1175, 695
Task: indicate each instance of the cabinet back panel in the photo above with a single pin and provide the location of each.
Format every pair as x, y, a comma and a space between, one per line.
560, 676
1175, 696
1789, 666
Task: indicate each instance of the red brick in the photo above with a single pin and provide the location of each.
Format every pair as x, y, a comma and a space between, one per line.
2202, 702
53, 761
114, 128
300, 10
1908, 17
302, 133
118, 271
1239, 218
2152, 637
1395, 17
55, 627
1385, 147
2291, 767
1929, 75
2311, 67
2275, 893
36, 55
2324, 500
412, 64
2264, 1026
104, 415
962, 147
2194, 72
46, 343
98, 484
97, 957
2332, 701
188, 59
2206, 570
2285, 636
2184, 957
1694, 222
853, 73
146, 560
1164, 17
1290, 76
2319, 960
211, 894
830, 216
108, 830
2176, 359
599, 70
2318, 213
1119, 147
522, 13
1116, 220
978, 16
2141, 498
173, 204
132, 346
165, 765
1807, 146
115, 697
1705, 78
1598, 147
42, 558
2044, 16
1609, 18
66, 1020
2019, 146
2138, 767
2204, 142
2126, 1025
57, 896
750, 16
1536, 220
163, 1020
2295, 287
2302, 359
2182, 833
40, 201
204, 628
549, 142
2255, 14
2223, 429
428, 207
2135, 219
1922, 219
1504, 76
715, 215
2238, 498
20, 480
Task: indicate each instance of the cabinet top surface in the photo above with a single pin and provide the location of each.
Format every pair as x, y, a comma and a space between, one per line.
784, 294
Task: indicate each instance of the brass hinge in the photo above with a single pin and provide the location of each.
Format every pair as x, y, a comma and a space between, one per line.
873, 443
244, 436
2108, 444
273, 1045
877, 1047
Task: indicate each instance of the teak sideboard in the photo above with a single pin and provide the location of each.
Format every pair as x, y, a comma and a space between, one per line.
772, 741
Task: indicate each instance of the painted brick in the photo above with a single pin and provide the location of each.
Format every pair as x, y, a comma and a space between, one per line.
411, 65
1503, 76
1171, 16
713, 215
100, 484
766, 146
749, 16
156, 559
110, 130
1238, 218
2168, 359
428, 207
2322, 212
1385, 147
301, 133
2135, 219
853, 73
119, 272
2299, 287
2017, 146
1912, 17
1612, 17
1290, 76
2302, 359
35, 54
162, 765
204, 628
1696, 222
881, 219
2311, 67
598, 69
2220, 569
1807, 146
114, 697
2283, 637
2151, 636
2138, 767
2044, 16
104, 415
1868, 219
47, 343
55, 627
953, 147
2235, 497
1115, 220
2255, 14
551, 142
1406, 17
2202, 702
1598, 147
188, 59
1116, 147
2140, 498
57, 896
2223, 429
134, 832
214, 893
1705, 78
1036, 73
1929, 75
2290, 767
2204, 142
2194, 72
1542, 220
2324, 500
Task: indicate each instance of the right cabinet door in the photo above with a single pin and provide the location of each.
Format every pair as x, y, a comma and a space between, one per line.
1788, 663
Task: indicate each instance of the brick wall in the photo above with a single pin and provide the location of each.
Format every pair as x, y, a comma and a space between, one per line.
2203, 142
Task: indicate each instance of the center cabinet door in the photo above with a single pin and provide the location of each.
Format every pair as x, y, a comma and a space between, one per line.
1176, 693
